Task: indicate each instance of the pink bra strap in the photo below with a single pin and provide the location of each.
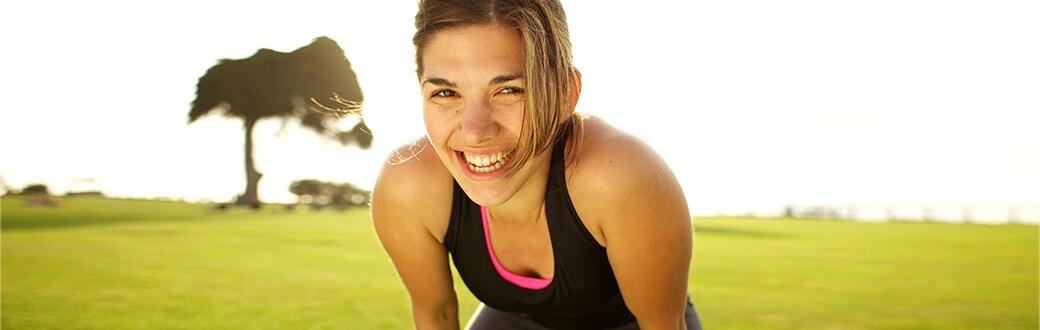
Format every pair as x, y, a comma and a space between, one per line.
522, 281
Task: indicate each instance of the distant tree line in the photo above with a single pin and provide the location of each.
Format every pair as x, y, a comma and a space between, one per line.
36, 194
322, 193
40, 189
30, 190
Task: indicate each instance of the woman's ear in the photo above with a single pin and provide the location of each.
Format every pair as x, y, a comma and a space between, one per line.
575, 93
575, 88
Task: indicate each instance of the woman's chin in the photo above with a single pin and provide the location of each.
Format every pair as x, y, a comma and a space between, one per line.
486, 197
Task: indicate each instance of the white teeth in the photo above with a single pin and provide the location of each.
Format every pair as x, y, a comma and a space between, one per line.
486, 163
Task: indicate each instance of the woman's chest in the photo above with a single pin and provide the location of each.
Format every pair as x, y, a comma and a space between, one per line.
523, 249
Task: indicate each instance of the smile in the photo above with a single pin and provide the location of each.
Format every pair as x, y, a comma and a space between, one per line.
486, 163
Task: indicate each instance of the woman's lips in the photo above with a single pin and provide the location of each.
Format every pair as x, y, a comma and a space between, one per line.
484, 165
487, 162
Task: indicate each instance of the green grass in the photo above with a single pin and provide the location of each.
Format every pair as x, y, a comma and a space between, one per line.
816, 274
106, 263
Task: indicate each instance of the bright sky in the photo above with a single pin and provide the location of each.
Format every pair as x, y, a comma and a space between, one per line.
929, 101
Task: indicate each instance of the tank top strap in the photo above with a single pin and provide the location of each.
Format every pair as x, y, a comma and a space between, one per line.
558, 205
459, 210
557, 166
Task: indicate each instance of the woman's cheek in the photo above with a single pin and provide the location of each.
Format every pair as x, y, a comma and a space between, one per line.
440, 123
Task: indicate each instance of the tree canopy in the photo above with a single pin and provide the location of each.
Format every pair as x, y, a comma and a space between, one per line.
272, 84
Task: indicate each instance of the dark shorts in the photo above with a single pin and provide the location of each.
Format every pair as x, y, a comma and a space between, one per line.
487, 317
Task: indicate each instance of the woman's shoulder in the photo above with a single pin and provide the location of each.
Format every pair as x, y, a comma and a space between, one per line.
607, 157
416, 159
616, 173
414, 185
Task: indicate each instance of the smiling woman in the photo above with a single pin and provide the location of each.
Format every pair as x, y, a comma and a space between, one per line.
474, 108
553, 219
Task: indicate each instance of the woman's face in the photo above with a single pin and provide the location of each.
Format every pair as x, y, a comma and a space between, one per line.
473, 108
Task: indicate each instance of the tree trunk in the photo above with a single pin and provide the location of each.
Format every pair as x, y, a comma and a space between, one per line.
250, 197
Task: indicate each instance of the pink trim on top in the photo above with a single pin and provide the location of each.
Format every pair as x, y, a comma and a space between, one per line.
521, 281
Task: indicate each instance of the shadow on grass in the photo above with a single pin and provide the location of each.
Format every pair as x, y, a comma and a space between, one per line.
734, 232
739, 227
88, 211
9, 223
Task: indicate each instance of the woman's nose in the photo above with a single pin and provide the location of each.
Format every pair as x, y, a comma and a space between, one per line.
478, 124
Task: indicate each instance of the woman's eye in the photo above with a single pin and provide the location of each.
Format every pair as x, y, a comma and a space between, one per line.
512, 90
444, 93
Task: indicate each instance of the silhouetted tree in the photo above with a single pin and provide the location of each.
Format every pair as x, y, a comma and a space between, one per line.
273, 84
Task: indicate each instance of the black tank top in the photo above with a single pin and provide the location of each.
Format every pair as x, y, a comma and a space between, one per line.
583, 292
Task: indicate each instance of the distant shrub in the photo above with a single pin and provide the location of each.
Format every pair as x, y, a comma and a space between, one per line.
320, 193
36, 189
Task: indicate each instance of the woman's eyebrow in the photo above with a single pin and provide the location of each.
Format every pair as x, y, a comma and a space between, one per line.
494, 81
439, 82
507, 78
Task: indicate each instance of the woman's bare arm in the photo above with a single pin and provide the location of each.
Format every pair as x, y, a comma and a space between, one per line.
641, 215
406, 213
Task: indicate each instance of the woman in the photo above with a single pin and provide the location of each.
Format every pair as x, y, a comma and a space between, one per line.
553, 219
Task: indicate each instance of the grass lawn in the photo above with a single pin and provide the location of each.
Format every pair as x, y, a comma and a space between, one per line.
818, 274
105, 263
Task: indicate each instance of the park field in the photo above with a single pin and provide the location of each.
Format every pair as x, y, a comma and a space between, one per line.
99, 263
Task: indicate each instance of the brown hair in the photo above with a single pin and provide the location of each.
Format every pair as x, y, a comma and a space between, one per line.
548, 64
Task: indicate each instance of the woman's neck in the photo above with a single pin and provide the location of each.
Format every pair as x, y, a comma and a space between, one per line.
526, 206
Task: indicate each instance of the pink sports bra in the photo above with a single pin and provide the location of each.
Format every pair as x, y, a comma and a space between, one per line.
522, 281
